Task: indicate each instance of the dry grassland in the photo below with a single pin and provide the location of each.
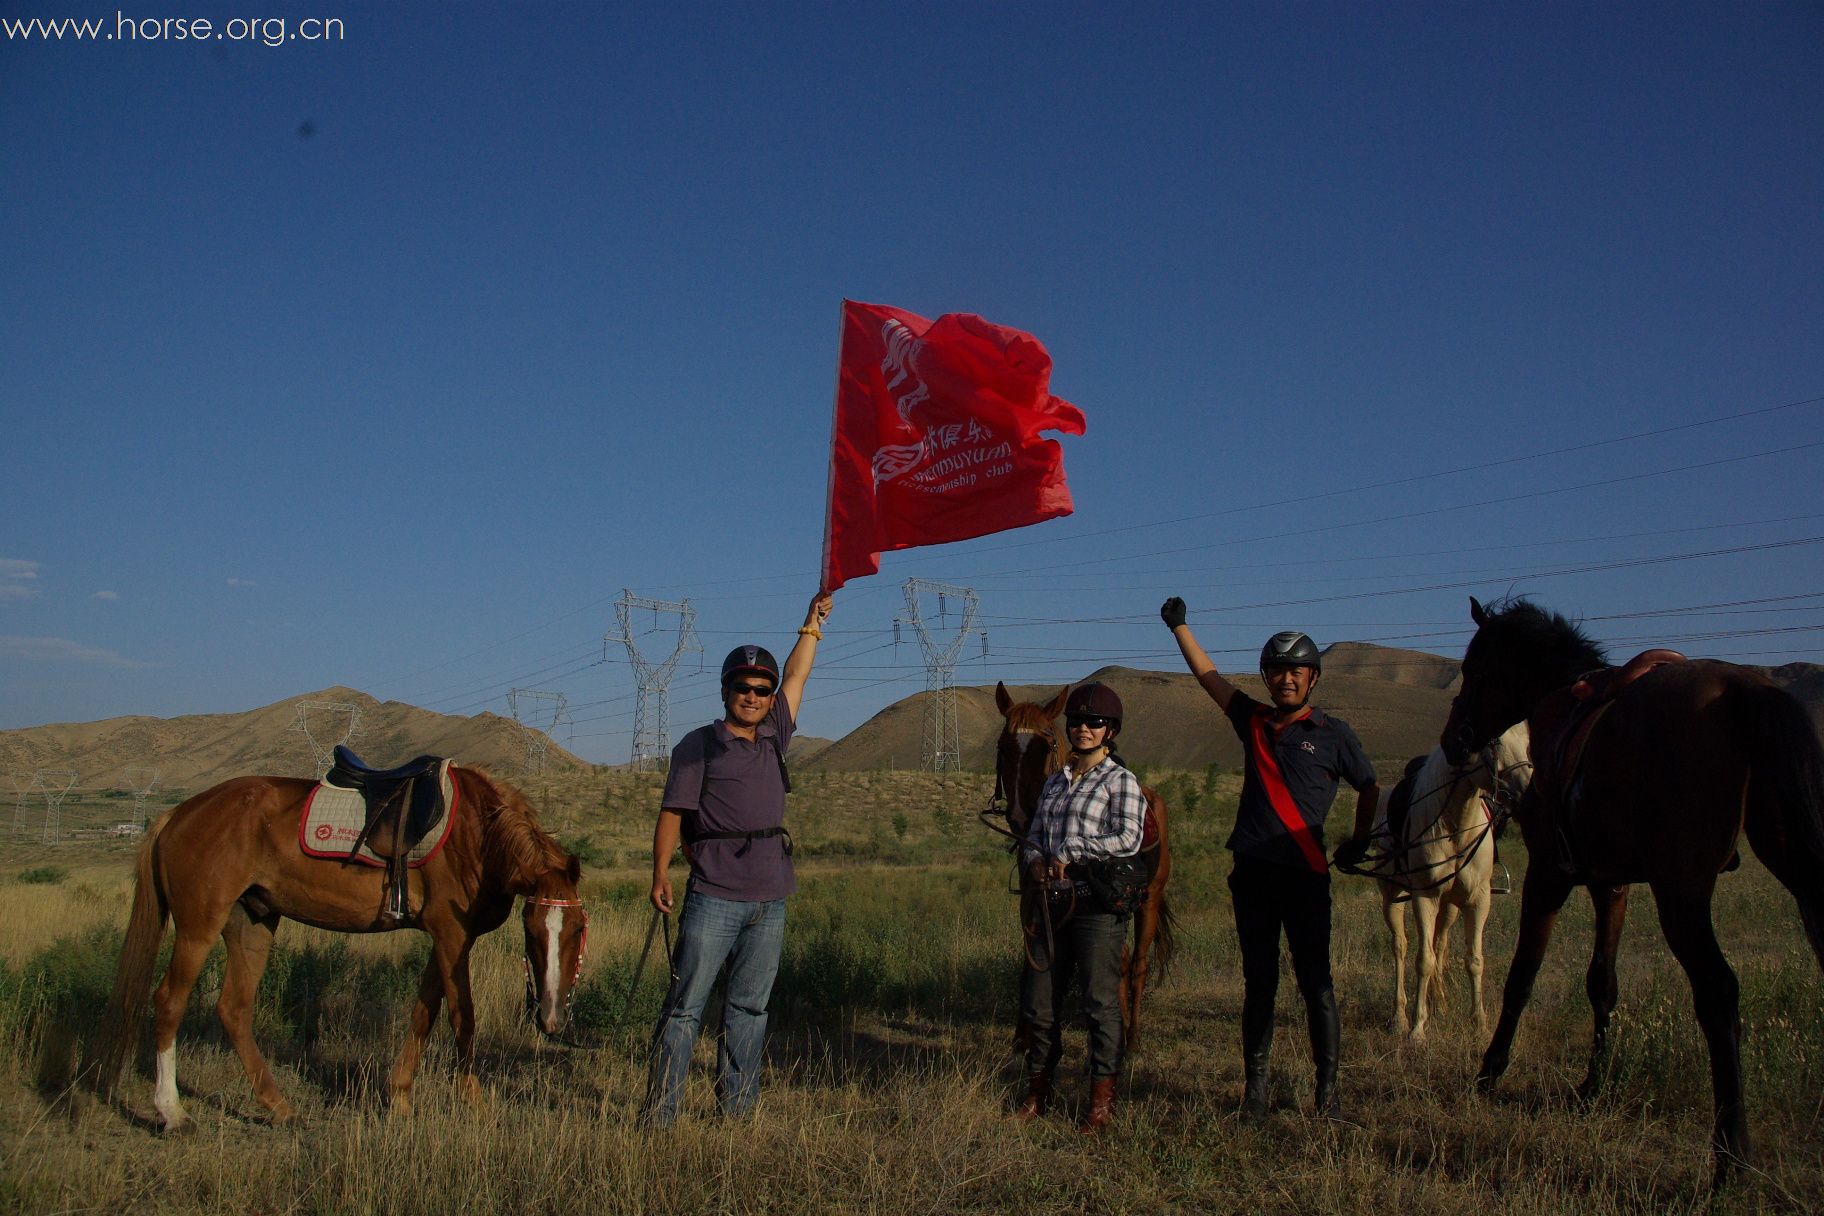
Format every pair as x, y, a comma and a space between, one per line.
889, 1056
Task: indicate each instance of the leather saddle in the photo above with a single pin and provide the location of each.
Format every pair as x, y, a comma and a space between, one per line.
403, 804
1562, 729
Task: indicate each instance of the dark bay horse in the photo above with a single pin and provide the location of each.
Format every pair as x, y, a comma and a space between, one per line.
227, 863
1029, 750
1645, 774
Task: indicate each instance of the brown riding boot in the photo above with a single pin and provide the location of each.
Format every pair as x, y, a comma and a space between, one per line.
1038, 1097
1101, 1106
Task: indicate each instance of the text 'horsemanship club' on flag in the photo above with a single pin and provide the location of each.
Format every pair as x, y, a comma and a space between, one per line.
936, 436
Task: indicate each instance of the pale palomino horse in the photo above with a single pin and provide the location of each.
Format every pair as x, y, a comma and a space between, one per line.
1441, 863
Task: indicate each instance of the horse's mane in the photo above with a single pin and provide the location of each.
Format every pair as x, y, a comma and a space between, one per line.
511, 840
1523, 631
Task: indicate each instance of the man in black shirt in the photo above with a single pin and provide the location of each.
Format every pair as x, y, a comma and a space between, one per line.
1295, 754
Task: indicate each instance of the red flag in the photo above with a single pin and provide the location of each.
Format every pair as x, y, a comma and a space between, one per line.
936, 436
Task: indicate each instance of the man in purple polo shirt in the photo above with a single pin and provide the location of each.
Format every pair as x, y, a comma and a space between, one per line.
725, 800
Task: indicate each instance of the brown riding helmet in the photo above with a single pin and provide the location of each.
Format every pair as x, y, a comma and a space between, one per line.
1094, 701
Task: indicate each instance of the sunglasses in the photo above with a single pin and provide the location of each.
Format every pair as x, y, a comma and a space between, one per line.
1089, 720
759, 690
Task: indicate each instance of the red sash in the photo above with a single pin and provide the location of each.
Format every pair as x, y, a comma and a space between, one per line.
1281, 798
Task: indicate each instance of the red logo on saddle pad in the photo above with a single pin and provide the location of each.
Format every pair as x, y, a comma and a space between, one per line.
324, 831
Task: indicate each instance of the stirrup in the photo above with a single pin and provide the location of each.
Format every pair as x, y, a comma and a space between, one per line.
1500, 881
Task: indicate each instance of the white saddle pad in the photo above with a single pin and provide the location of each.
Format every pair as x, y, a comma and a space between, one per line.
334, 816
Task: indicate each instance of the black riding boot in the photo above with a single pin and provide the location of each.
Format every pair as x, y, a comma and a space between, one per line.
1326, 1045
1256, 1050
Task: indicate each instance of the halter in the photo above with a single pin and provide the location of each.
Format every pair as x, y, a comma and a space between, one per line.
582, 951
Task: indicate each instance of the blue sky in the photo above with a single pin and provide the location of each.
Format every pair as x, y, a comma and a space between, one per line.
391, 360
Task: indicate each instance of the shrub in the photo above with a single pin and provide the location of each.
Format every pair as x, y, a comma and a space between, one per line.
587, 851
44, 874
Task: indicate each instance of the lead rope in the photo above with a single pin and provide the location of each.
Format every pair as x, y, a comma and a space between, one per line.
645, 951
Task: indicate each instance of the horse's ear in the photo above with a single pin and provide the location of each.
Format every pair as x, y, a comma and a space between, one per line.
1057, 703
1477, 612
1002, 701
573, 870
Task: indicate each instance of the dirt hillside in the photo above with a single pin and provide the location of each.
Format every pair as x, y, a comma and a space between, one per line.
1396, 700
195, 752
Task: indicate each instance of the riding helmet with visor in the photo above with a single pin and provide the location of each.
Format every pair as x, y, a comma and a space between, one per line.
1291, 649
750, 661
1095, 701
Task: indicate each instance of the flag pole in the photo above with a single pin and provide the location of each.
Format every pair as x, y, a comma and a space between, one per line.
829, 494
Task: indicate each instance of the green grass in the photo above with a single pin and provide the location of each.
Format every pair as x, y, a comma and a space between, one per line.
889, 1065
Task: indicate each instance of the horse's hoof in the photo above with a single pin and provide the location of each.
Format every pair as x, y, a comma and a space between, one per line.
183, 1125
400, 1106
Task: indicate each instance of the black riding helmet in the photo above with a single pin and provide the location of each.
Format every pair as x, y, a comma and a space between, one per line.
1291, 649
750, 661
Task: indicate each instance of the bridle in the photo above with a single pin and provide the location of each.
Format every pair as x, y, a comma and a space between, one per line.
1001, 804
576, 970
1497, 806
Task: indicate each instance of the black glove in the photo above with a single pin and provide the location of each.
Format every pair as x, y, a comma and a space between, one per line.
1172, 612
1350, 853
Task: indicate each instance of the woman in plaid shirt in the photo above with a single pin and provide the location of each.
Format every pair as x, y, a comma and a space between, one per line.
1091, 812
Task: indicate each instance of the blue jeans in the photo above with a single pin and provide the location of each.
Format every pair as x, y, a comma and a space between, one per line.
748, 936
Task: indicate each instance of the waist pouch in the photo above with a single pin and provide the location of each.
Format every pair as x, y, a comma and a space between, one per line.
1115, 884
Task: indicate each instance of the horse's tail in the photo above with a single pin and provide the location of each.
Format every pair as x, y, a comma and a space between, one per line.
1165, 940
1785, 811
119, 1031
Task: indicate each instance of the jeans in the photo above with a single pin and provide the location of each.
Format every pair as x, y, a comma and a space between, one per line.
711, 931
1088, 945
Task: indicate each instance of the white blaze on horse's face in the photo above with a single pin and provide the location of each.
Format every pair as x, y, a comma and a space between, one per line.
548, 1009
1017, 811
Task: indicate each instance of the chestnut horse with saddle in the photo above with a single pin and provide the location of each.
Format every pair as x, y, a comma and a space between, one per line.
233, 861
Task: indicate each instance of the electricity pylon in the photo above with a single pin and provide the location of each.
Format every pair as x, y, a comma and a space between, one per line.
55, 783
943, 746
24, 787
538, 714
652, 708
139, 780
325, 724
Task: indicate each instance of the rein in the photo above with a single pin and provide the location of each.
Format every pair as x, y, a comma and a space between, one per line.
1496, 813
997, 808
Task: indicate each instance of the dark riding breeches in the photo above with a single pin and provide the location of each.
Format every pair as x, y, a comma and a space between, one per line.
1270, 899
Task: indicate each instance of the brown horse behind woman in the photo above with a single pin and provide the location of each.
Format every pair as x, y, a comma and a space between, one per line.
1029, 750
1645, 773
227, 863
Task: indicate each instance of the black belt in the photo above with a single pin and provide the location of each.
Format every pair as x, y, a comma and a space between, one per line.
746, 838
